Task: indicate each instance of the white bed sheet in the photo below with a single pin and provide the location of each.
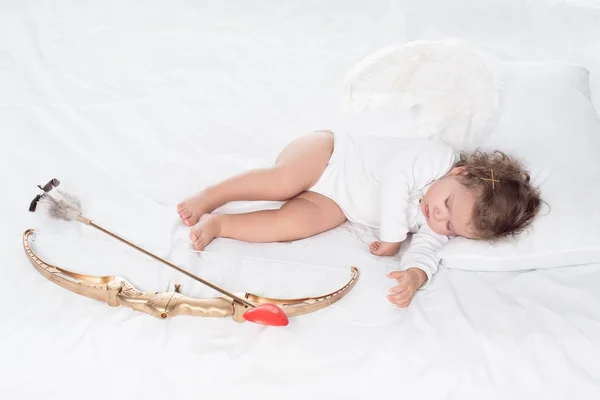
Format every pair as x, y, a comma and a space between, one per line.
135, 104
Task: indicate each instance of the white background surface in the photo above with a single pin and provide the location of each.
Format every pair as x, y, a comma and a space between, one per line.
134, 105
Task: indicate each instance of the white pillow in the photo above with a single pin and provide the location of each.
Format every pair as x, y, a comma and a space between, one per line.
548, 121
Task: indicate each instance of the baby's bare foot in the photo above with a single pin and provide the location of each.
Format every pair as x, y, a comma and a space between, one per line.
190, 210
208, 228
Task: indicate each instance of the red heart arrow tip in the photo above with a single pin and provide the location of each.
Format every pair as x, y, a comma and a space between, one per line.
267, 314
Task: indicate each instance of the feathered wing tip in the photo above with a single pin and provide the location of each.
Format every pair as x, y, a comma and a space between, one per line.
367, 84
60, 205
449, 87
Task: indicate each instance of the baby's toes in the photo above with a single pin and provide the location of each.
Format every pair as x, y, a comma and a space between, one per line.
185, 211
199, 243
181, 208
182, 215
187, 221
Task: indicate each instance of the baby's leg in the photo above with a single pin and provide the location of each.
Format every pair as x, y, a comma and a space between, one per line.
297, 168
305, 215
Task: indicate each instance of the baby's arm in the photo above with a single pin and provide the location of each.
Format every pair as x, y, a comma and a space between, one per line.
413, 168
393, 229
417, 266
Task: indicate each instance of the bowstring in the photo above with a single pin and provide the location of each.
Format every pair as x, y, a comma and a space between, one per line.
174, 249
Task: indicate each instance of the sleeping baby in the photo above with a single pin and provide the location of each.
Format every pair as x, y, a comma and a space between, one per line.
395, 185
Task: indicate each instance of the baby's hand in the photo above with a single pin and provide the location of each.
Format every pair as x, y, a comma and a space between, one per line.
384, 248
408, 283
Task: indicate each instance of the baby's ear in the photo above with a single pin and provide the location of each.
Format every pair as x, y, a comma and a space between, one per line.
457, 171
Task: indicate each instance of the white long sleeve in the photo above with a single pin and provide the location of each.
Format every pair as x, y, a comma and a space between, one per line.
395, 189
404, 174
422, 252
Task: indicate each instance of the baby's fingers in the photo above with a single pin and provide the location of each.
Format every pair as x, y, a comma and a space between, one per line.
404, 303
402, 287
401, 300
396, 274
395, 298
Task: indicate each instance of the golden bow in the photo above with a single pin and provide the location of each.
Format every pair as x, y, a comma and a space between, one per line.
116, 291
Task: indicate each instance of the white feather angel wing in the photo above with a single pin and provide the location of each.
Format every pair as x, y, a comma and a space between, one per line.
449, 89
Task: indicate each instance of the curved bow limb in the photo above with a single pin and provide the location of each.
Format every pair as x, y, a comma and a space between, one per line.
116, 291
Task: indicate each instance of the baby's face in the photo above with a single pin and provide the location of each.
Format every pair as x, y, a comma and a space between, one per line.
448, 207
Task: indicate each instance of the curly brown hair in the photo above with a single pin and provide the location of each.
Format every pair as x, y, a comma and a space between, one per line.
506, 202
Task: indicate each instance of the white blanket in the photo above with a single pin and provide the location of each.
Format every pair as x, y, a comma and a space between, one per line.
135, 105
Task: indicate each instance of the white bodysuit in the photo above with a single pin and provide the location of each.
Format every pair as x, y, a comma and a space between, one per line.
379, 181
